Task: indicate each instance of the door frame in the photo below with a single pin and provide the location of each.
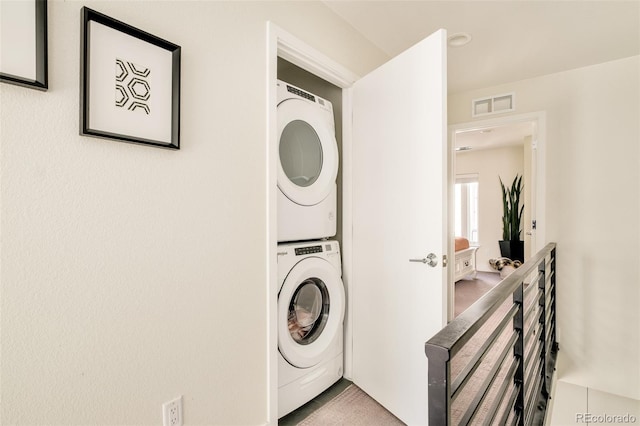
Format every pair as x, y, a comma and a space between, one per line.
538, 142
281, 43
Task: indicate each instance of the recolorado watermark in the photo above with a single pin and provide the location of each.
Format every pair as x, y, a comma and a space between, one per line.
588, 418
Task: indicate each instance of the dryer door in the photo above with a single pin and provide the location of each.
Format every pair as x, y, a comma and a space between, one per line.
311, 307
308, 152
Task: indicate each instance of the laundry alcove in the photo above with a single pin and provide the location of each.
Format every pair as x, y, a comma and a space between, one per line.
393, 226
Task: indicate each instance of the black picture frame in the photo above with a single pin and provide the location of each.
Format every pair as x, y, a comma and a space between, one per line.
128, 116
40, 52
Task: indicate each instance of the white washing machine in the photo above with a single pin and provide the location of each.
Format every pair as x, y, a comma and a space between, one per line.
307, 166
311, 305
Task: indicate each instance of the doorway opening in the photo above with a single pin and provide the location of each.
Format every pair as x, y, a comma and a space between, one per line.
296, 63
483, 152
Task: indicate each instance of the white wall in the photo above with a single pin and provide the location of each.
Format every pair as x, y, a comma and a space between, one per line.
489, 164
593, 212
131, 274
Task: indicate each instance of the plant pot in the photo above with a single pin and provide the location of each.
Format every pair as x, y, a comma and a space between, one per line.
514, 250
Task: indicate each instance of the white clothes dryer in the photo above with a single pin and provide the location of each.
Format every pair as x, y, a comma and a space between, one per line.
311, 306
307, 166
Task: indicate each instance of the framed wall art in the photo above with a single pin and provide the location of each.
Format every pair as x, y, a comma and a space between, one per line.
130, 88
23, 43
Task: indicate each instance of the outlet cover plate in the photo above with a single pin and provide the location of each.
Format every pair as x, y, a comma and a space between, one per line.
172, 412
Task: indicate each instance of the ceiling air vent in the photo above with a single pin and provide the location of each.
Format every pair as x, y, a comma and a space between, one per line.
493, 105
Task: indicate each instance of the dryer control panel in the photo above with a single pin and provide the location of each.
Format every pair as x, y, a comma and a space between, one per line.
300, 93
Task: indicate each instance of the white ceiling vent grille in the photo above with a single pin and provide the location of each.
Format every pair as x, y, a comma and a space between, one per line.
493, 105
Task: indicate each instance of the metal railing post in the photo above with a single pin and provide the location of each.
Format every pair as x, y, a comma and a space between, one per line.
439, 384
554, 262
542, 302
518, 350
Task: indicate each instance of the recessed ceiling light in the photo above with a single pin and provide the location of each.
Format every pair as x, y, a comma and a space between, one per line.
458, 39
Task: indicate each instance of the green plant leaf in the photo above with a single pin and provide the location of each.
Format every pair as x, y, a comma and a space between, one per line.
511, 209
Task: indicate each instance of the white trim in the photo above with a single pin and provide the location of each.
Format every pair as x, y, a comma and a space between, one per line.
298, 53
271, 182
347, 226
282, 44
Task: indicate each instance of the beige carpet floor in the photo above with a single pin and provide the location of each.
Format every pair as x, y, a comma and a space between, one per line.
352, 407
468, 291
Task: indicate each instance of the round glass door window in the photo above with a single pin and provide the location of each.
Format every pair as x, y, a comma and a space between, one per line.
308, 311
301, 153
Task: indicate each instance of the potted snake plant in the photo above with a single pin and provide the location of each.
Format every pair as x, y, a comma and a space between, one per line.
511, 246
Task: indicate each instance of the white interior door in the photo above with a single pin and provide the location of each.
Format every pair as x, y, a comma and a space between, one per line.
399, 213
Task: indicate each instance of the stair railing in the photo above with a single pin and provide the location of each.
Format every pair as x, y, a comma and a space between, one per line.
514, 382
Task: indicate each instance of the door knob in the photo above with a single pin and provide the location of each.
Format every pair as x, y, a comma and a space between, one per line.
431, 260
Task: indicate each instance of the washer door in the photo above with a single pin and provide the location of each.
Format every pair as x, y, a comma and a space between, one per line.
310, 312
308, 152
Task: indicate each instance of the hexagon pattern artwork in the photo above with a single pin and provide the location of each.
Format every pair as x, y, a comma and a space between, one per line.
132, 86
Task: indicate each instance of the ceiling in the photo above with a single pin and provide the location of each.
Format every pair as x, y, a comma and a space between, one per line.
493, 137
512, 40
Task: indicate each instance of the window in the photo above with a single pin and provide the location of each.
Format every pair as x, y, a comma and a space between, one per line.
466, 199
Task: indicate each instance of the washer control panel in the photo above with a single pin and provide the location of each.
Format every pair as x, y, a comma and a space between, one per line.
301, 251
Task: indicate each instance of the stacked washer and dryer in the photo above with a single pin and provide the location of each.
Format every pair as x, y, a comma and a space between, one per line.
311, 296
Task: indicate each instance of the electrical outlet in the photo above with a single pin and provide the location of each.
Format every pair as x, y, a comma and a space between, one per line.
172, 412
